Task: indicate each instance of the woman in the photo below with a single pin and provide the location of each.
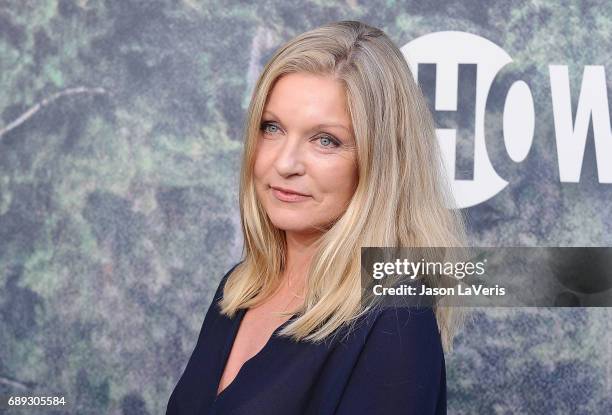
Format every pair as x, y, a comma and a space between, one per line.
340, 153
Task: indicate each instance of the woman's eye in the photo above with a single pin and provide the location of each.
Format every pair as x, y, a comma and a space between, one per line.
269, 128
327, 141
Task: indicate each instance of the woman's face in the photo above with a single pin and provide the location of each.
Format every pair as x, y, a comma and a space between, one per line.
305, 145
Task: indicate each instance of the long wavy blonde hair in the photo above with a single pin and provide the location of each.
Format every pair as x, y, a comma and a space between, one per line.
401, 197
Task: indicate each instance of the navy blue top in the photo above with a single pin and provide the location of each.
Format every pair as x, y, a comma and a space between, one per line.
390, 363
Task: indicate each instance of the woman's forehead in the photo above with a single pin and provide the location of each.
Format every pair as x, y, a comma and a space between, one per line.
309, 96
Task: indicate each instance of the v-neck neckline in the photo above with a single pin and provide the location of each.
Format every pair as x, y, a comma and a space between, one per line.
228, 349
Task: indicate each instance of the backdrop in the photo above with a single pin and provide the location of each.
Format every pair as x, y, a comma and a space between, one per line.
120, 138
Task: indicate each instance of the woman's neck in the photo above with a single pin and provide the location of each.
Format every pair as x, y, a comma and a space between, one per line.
300, 251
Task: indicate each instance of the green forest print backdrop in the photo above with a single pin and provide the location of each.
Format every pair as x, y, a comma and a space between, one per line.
120, 140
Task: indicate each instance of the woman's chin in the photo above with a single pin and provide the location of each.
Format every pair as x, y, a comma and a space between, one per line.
294, 225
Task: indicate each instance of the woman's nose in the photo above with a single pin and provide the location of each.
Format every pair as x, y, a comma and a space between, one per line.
289, 159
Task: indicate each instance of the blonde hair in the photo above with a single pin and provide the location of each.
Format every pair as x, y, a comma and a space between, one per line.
401, 195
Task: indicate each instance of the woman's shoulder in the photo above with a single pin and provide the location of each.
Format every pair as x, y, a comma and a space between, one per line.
219, 292
406, 322
402, 344
400, 366
396, 329
405, 319
213, 315
404, 333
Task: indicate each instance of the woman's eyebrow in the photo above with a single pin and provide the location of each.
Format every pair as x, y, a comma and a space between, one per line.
316, 126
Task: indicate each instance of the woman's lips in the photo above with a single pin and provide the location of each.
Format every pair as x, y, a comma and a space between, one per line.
288, 197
